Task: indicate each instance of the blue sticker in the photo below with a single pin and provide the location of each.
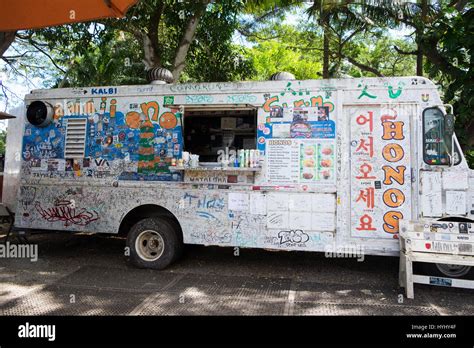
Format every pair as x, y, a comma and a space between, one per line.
441, 281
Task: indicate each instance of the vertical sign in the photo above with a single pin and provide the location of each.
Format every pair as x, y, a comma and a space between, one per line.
380, 169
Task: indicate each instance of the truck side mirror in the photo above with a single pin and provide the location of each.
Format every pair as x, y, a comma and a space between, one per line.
449, 125
449, 133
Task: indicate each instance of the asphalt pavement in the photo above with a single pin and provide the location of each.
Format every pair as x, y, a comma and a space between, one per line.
86, 274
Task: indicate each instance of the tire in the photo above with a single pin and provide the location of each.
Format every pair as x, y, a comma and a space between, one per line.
154, 243
448, 271
180, 249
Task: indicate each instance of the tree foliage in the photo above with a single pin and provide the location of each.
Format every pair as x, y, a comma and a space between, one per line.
3, 140
286, 51
449, 44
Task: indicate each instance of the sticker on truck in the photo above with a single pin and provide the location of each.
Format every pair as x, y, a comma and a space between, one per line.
441, 281
441, 247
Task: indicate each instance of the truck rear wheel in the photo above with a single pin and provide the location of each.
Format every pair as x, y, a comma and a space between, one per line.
154, 243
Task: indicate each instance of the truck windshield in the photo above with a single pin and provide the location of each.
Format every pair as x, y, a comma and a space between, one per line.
436, 145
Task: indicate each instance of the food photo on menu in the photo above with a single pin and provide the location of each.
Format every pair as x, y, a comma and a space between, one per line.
308, 160
326, 161
316, 162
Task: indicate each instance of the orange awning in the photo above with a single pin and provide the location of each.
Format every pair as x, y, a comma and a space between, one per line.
32, 14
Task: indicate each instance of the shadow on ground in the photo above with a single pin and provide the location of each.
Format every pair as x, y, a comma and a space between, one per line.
87, 275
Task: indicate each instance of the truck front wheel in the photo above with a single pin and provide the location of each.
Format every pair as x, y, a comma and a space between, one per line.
153, 243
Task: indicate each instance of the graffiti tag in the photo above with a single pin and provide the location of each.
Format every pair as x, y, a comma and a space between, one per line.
199, 99
292, 237
28, 195
316, 101
241, 98
70, 216
103, 91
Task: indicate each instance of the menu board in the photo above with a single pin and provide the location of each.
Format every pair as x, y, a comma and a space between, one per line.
282, 155
309, 161
316, 161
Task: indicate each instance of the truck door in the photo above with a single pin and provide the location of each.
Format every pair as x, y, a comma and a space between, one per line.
444, 185
380, 168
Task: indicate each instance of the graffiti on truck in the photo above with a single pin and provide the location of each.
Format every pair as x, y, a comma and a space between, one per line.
315, 101
138, 138
293, 237
66, 212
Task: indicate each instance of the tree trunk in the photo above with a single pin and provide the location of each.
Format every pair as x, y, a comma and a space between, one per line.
419, 61
180, 57
419, 35
6, 39
151, 41
324, 21
150, 57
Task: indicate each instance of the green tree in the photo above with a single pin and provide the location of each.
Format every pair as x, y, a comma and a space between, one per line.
3, 139
111, 61
341, 20
287, 52
156, 33
167, 30
448, 45
444, 37
378, 57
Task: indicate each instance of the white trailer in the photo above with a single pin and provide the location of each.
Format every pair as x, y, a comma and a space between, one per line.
339, 164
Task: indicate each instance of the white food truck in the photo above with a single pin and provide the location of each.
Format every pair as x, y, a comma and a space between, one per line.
334, 164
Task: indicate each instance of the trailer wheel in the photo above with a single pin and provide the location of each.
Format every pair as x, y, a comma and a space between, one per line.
453, 271
154, 243
447, 270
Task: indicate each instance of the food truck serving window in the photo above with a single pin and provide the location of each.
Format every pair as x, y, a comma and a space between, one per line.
208, 131
436, 144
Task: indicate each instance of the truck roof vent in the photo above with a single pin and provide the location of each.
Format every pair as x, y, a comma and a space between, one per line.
282, 76
75, 143
159, 76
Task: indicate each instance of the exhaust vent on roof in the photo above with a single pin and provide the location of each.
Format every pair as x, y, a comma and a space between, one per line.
282, 76
75, 143
159, 76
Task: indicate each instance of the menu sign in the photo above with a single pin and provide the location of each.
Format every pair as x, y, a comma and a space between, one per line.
282, 155
316, 161
301, 161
